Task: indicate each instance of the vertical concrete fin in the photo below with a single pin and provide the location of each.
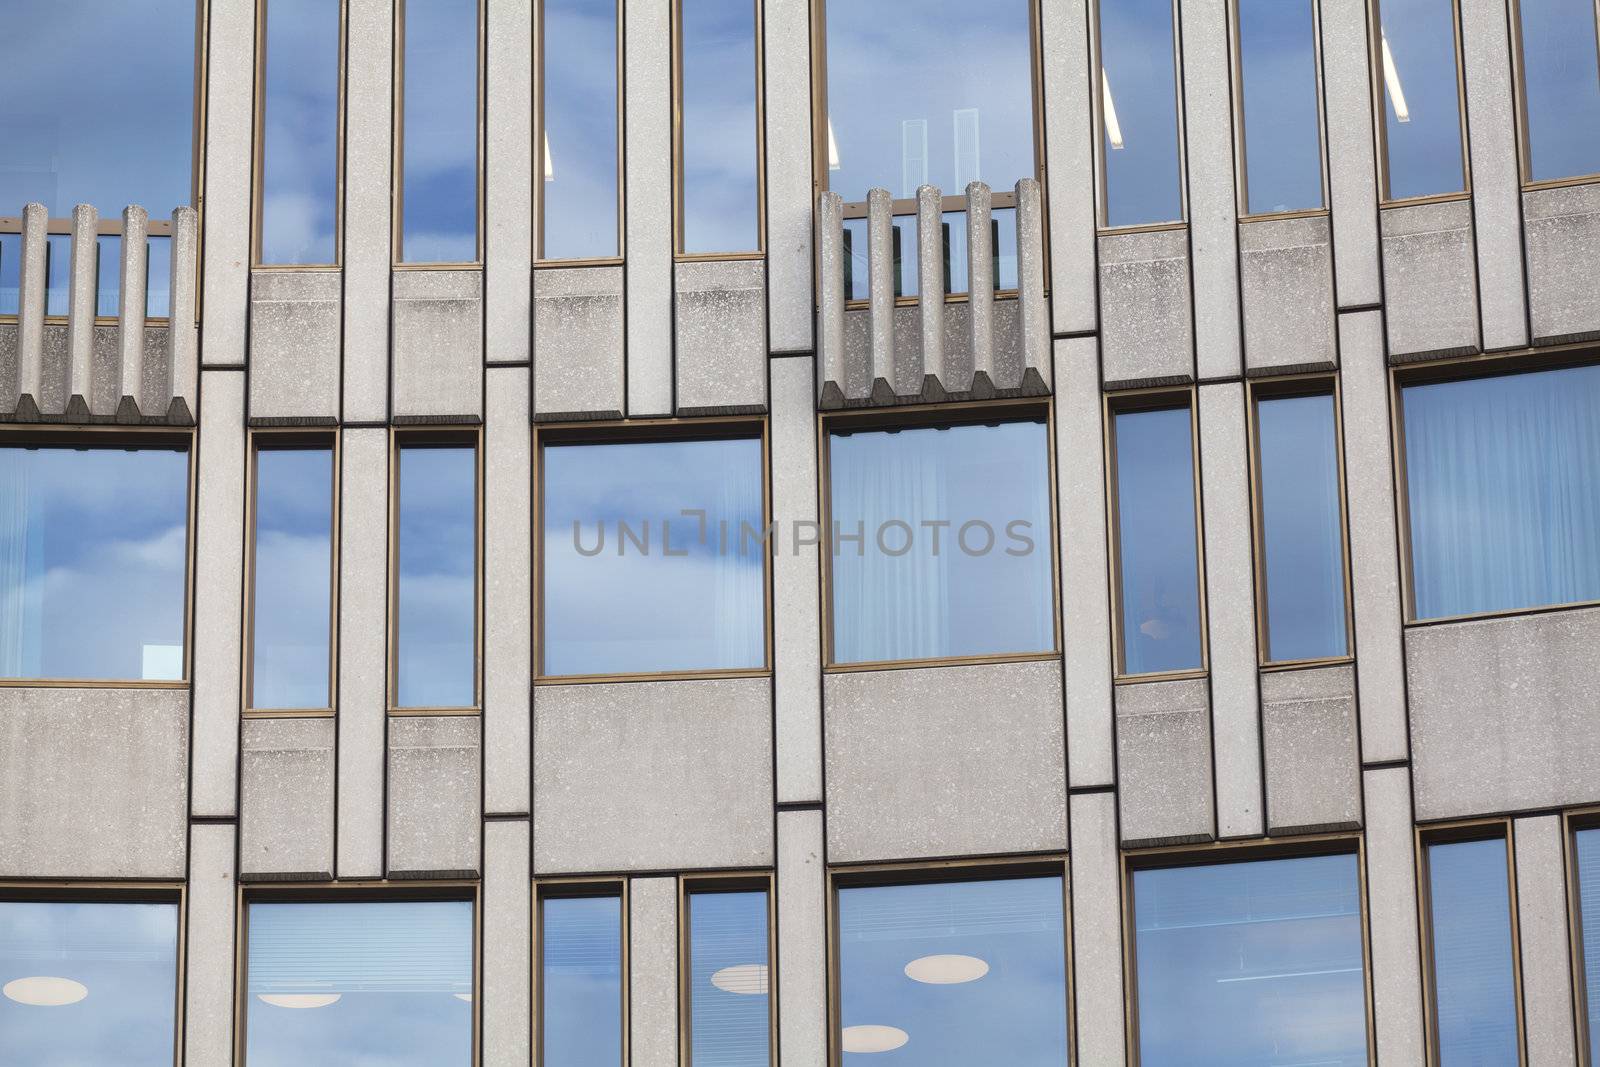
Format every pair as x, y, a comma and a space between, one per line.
1542, 923
30, 303
880, 287
802, 929
80, 309
653, 972
1035, 313
980, 287
830, 291
930, 297
130, 320
183, 349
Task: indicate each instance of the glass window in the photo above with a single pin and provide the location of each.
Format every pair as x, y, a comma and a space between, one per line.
1282, 134
948, 974
1250, 962
1587, 852
1469, 917
578, 116
719, 136
730, 1009
1502, 480
385, 982
1560, 88
88, 982
439, 132
299, 131
580, 981
436, 607
57, 274
653, 556
292, 577
10, 273
1157, 543
1302, 527
1139, 113
941, 541
158, 278
93, 560
108, 276
1417, 61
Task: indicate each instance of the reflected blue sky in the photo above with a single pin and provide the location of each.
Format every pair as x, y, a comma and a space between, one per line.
1137, 56
1470, 913
300, 135
1424, 150
292, 577
93, 547
436, 611
124, 954
440, 145
1587, 853
1561, 86
1015, 1014
108, 276
1282, 130
718, 42
57, 273
580, 987
1156, 541
730, 1015
953, 237
898, 597
1257, 962
10, 266
624, 609
397, 968
580, 128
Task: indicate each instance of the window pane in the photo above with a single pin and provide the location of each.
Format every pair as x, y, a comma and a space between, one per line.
1561, 87
440, 143
436, 614
300, 132
88, 983
1302, 530
292, 584
1157, 541
58, 274
1470, 915
653, 557
158, 278
942, 542
124, 135
1588, 856
580, 128
1422, 108
580, 982
1503, 483
1282, 124
93, 554
1139, 100
729, 1005
951, 974
385, 982
1255, 962
719, 154
10, 273
108, 276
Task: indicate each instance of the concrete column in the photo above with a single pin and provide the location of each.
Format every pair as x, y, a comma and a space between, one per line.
930, 298
1034, 309
1096, 890
802, 936
183, 339
31, 301
507, 578
1352, 174
880, 286
508, 236
647, 147
797, 615
980, 282
80, 307
830, 290
507, 1004
368, 242
787, 54
1546, 940
1069, 165
1392, 915
130, 302
230, 126
653, 972
208, 994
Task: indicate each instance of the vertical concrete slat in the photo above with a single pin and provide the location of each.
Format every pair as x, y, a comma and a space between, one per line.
230, 130
508, 243
880, 288
507, 578
1352, 177
930, 298
786, 47
1392, 915
802, 932
830, 291
647, 140
1035, 312
797, 615
1096, 895
130, 305
31, 302
1542, 926
368, 202
1070, 165
363, 650
183, 341
507, 994
80, 304
653, 972
980, 283
208, 995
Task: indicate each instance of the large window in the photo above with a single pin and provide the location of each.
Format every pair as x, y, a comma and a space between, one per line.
1280, 103
439, 109
436, 572
578, 131
1138, 107
940, 540
88, 982
1502, 487
300, 46
93, 557
582, 997
1560, 88
727, 978
1418, 66
718, 126
1586, 869
952, 973
1256, 961
1472, 984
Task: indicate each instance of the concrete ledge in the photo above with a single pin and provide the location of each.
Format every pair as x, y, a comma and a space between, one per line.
438, 343
1286, 283
294, 343
1562, 228
577, 343
1308, 720
1164, 762
435, 786
1430, 278
1145, 323
720, 334
286, 804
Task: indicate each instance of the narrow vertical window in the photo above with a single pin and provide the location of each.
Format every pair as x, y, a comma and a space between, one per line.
578, 132
436, 583
1157, 541
581, 994
108, 276
1418, 66
58, 274
1139, 113
1473, 985
719, 136
158, 278
291, 588
301, 45
1281, 104
10, 273
729, 995
1586, 852
439, 132
1560, 67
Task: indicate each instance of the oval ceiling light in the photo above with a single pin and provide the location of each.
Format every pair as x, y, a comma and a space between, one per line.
749, 979
298, 1000
946, 970
873, 1038
45, 992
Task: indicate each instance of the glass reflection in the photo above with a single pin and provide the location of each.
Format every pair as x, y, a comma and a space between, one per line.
1302, 527
579, 109
108, 276
10, 273
1422, 107
1157, 549
292, 585
718, 152
158, 278
953, 973
580, 981
942, 543
358, 982
300, 132
653, 556
57, 274
956, 265
1561, 87
1253, 962
1282, 113
436, 600
1139, 113
1470, 925
439, 149
1587, 852
93, 553
88, 983
729, 996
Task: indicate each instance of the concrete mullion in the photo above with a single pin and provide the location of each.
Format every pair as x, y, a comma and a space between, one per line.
369, 172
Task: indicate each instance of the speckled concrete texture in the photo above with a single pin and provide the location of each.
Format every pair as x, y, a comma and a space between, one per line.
1563, 236
1430, 278
8, 363
31, 302
183, 335
653, 972
368, 234
134, 272
81, 304
797, 615
577, 346
1392, 916
1164, 762
507, 985
208, 1007
786, 52
1097, 928
507, 605
721, 336
1208, 119
434, 786
508, 183
230, 125
1144, 306
802, 889
1308, 722
830, 290
294, 344
1069, 159
1033, 310
363, 648
1352, 174
1543, 939
438, 344
1286, 275
647, 177
286, 799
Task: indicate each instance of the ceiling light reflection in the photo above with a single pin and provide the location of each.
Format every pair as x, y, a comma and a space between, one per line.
298, 1000
1113, 127
1391, 82
946, 969
873, 1038
747, 979
42, 991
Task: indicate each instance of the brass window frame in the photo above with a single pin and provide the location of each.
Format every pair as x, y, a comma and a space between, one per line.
705, 884
1241, 159
1573, 822
1380, 115
616, 886
934, 416
1519, 95
635, 431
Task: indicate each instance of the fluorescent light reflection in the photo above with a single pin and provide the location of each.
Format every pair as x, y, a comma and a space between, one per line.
833, 148
298, 1000
549, 168
45, 992
946, 969
464, 997
1113, 127
746, 979
873, 1038
1391, 82
1288, 974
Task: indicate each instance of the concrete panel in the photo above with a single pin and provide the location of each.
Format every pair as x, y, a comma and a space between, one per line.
650, 776
1545, 940
1563, 234
435, 784
802, 928
1430, 278
369, 159
1145, 329
786, 52
1213, 202
363, 649
578, 331
1392, 916
1164, 762
508, 192
507, 606
1069, 164
945, 761
720, 334
1286, 273
1352, 173
1308, 722
653, 972
8, 363
1097, 928
93, 783
230, 125
294, 344
797, 614
286, 799
438, 343
507, 991
209, 928
1505, 713
647, 173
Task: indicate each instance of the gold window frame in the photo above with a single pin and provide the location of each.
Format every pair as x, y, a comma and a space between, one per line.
704, 884
1380, 114
1241, 159
1519, 94
579, 886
